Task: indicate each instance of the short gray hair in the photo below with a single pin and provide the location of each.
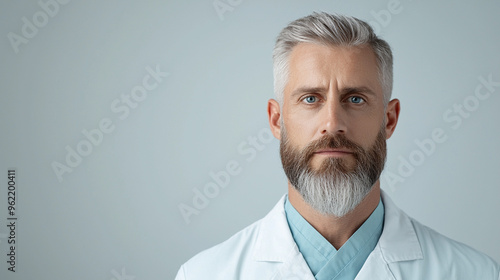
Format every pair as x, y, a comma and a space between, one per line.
329, 29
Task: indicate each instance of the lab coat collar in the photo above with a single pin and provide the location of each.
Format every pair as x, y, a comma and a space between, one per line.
275, 243
399, 241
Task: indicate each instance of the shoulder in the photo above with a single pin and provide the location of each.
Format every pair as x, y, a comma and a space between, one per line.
451, 259
240, 254
411, 248
439, 247
235, 249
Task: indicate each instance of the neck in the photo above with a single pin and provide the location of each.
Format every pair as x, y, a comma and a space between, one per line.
337, 230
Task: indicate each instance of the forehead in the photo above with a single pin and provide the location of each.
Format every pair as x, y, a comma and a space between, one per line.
333, 67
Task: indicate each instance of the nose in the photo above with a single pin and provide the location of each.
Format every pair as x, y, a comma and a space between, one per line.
333, 118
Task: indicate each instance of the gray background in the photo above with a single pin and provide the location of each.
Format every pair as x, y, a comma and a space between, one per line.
117, 213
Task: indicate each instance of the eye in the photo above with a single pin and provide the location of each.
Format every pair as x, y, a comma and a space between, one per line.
310, 99
356, 99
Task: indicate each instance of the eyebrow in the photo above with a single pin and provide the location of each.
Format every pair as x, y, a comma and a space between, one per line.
349, 90
344, 91
307, 89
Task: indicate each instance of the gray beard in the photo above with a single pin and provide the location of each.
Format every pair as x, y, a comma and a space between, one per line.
333, 189
335, 194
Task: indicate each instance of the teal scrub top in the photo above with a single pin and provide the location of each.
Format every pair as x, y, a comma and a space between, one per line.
322, 258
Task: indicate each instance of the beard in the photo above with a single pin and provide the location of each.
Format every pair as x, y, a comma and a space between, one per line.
334, 188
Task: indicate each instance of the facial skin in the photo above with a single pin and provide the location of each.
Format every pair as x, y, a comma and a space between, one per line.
334, 91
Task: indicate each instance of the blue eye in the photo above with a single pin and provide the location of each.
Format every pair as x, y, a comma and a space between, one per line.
310, 99
356, 99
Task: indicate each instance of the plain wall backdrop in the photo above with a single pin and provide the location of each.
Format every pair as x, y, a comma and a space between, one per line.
108, 147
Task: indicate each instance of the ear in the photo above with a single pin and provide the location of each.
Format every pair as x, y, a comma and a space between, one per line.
273, 112
391, 117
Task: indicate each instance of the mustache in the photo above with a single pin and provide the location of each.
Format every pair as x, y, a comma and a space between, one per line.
332, 142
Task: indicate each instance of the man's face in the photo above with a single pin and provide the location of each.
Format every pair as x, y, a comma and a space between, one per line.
335, 119
335, 91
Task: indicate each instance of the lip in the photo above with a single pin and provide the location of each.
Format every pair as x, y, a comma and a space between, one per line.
333, 152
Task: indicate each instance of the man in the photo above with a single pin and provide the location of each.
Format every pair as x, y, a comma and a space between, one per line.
332, 115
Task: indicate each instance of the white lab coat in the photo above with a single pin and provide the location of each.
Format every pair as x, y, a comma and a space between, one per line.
406, 250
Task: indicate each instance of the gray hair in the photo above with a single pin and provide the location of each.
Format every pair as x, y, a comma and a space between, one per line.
329, 29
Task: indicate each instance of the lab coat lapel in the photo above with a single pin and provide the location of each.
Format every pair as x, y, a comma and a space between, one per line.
375, 267
398, 242
275, 244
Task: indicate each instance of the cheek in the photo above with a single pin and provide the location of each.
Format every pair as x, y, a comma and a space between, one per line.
300, 129
365, 133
